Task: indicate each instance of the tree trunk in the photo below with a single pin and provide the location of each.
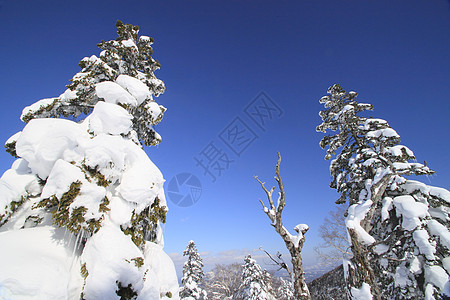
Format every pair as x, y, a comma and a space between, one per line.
274, 213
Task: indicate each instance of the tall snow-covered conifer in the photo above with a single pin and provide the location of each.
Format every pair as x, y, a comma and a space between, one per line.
192, 274
399, 228
254, 285
84, 196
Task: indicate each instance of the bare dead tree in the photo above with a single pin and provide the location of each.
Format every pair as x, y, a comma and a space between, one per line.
294, 243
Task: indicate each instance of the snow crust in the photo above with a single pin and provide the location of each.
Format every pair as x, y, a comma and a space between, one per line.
111, 92
410, 210
135, 87
363, 293
110, 119
437, 276
421, 238
35, 264
439, 230
357, 213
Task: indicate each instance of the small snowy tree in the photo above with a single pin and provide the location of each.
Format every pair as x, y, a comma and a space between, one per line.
398, 228
285, 290
86, 190
254, 285
192, 274
294, 243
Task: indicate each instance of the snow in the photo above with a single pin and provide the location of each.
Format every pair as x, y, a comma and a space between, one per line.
103, 269
16, 182
35, 264
135, 87
57, 150
411, 186
111, 92
386, 133
144, 38
154, 109
421, 238
410, 210
371, 122
67, 205
436, 275
44, 141
439, 230
387, 206
398, 150
13, 138
381, 248
344, 110
363, 293
300, 229
129, 43
446, 263
401, 276
68, 95
440, 192
110, 119
37, 105
356, 213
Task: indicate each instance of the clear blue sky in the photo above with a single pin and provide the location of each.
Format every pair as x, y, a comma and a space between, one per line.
216, 57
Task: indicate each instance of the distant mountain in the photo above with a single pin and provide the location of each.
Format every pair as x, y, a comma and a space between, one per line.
330, 286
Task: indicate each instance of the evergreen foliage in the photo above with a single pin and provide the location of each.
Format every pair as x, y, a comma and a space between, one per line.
254, 285
129, 54
285, 290
92, 176
399, 228
192, 275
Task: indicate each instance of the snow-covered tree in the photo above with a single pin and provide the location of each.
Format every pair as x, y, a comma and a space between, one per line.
398, 228
84, 196
285, 290
254, 285
294, 243
224, 281
192, 274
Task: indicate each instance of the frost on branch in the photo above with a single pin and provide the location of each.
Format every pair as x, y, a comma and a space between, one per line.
398, 227
85, 194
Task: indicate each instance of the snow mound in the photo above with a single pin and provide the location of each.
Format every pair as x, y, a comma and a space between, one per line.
135, 87
52, 270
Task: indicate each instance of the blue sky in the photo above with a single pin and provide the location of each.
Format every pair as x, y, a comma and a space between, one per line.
217, 57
